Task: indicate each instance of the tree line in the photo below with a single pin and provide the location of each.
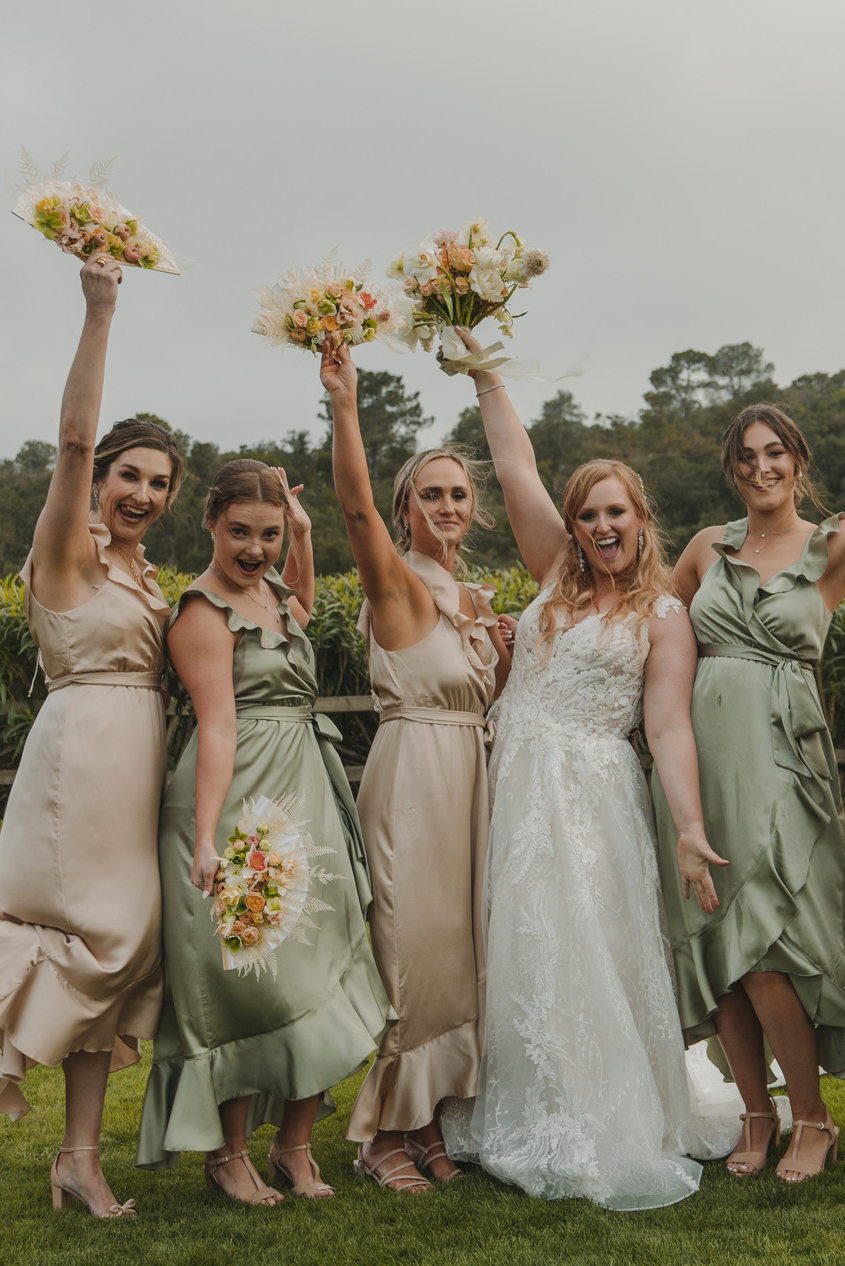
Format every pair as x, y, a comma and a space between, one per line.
674, 443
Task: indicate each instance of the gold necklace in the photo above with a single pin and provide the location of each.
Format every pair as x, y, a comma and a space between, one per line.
136, 575
267, 606
764, 535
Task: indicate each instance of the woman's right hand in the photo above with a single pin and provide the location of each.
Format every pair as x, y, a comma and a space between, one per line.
205, 868
695, 856
100, 276
338, 373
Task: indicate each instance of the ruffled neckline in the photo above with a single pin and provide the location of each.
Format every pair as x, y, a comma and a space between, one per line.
102, 538
238, 623
811, 565
445, 591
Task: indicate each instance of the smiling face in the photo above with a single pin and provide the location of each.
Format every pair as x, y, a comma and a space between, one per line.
766, 470
443, 489
606, 527
248, 539
133, 493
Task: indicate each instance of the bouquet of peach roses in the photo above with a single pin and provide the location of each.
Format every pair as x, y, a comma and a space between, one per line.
458, 279
304, 308
261, 887
82, 219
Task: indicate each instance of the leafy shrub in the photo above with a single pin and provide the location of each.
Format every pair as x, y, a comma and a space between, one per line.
338, 649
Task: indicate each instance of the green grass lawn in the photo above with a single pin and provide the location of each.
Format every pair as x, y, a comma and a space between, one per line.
476, 1220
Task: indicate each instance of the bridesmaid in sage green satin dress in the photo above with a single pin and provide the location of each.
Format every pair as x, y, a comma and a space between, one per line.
236, 1051
761, 954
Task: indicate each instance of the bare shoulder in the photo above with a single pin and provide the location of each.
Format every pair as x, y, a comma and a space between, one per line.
703, 541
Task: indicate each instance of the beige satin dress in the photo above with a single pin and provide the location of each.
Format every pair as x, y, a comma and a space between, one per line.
80, 905
424, 814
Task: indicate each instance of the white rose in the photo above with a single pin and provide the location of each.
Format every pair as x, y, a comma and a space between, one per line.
422, 263
487, 283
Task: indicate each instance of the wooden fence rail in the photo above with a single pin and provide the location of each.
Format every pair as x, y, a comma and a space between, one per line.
326, 703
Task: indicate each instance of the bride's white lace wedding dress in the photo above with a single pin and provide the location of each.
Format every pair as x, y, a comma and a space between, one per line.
584, 1088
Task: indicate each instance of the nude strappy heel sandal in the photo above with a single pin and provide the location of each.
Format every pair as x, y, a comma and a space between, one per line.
259, 1195
393, 1177
423, 1156
63, 1197
316, 1189
788, 1162
754, 1161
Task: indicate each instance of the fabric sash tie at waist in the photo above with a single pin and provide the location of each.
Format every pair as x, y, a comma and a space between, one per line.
433, 716
327, 735
800, 737
301, 714
140, 681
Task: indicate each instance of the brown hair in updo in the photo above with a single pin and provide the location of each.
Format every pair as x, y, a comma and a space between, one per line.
133, 433
405, 487
243, 480
790, 436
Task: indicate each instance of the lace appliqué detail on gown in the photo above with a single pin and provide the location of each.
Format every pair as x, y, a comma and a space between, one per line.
584, 1088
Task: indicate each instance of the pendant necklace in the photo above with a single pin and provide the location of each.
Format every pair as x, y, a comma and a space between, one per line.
764, 535
266, 606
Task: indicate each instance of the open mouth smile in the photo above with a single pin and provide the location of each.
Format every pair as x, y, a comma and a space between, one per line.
608, 546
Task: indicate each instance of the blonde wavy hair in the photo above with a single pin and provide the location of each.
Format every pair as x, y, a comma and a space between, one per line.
405, 487
638, 589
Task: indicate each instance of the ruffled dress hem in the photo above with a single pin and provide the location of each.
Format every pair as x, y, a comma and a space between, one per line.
402, 1091
181, 1103
751, 931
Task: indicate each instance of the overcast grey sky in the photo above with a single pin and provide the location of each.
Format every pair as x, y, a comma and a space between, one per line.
681, 161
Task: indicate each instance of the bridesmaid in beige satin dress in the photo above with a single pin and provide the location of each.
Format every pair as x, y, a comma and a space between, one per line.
436, 662
80, 974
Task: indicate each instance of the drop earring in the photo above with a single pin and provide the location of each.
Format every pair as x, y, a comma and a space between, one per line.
582, 559
640, 543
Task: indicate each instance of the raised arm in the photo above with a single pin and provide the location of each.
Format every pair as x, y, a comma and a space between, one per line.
669, 676
400, 601
64, 558
537, 525
201, 647
298, 571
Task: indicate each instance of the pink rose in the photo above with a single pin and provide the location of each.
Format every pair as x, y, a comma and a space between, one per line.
251, 936
257, 860
300, 318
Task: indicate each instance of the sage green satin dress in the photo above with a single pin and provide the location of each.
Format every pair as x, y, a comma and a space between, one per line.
770, 793
223, 1035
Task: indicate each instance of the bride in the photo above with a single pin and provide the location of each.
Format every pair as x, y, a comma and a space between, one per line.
584, 1089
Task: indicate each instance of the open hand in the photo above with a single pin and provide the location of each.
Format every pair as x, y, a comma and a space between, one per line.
297, 521
695, 856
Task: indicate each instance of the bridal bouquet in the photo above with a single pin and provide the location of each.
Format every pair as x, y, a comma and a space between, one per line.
459, 279
261, 888
82, 219
307, 307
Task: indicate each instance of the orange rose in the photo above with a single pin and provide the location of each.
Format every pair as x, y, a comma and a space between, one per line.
251, 936
461, 258
255, 902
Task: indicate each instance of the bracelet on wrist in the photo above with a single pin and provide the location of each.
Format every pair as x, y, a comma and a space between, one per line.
478, 394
